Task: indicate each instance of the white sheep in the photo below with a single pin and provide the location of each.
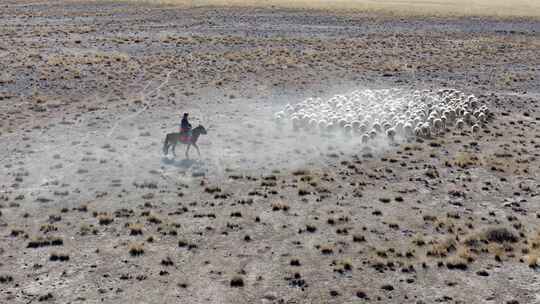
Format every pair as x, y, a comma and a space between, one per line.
347, 130
460, 124
423, 113
322, 125
408, 130
482, 118
426, 129
365, 138
437, 125
376, 127
391, 134
475, 129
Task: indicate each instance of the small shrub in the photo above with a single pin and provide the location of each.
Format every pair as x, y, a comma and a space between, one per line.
135, 229
104, 219
457, 263
295, 262
419, 241
212, 190
41, 242
357, 238
276, 206
136, 249
311, 228
500, 235
237, 282
4, 278
154, 219
442, 249
327, 250
46, 297
301, 172
59, 257
303, 192
167, 262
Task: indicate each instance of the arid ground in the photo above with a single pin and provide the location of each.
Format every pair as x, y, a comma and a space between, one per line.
92, 212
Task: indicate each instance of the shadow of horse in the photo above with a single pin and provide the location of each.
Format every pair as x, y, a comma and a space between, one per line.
183, 163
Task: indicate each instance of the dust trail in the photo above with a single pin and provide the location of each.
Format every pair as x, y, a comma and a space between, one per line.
46, 155
360, 122
143, 97
248, 140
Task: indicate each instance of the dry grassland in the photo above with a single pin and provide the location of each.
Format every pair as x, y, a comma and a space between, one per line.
501, 8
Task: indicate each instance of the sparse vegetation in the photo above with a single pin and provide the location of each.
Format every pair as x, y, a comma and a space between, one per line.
407, 216
136, 249
212, 190
44, 242
237, 282
135, 229
60, 257
104, 219
279, 205
4, 278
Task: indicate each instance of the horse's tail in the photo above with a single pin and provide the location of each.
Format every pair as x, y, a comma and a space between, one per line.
166, 145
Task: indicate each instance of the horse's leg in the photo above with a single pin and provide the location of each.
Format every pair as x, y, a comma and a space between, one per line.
165, 148
187, 151
174, 149
197, 147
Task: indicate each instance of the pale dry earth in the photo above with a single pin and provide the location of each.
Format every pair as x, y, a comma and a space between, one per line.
92, 212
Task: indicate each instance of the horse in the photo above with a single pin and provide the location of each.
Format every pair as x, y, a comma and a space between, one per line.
172, 139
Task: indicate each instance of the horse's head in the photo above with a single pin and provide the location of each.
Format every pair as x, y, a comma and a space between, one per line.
200, 129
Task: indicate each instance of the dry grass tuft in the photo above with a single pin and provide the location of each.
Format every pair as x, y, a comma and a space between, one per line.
5, 278
59, 257
104, 219
300, 172
167, 262
303, 192
466, 159
534, 241
465, 253
279, 205
135, 229
457, 262
533, 260
418, 240
136, 249
327, 249
358, 238
442, 249
212, 190
237, 282
154, 218
500, 235
44, 242
533, 250
46, 228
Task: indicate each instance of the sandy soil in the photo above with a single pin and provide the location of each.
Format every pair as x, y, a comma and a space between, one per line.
91, 211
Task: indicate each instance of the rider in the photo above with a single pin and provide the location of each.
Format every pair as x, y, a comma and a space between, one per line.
185, 126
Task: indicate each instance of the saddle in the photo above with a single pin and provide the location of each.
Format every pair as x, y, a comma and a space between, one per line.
185, 136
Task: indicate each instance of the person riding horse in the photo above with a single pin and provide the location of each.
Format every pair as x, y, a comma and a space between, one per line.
185, 127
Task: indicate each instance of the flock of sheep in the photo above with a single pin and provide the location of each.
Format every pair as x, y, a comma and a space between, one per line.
387, 112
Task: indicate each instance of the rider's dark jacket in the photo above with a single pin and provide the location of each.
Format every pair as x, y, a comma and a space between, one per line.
185, 125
